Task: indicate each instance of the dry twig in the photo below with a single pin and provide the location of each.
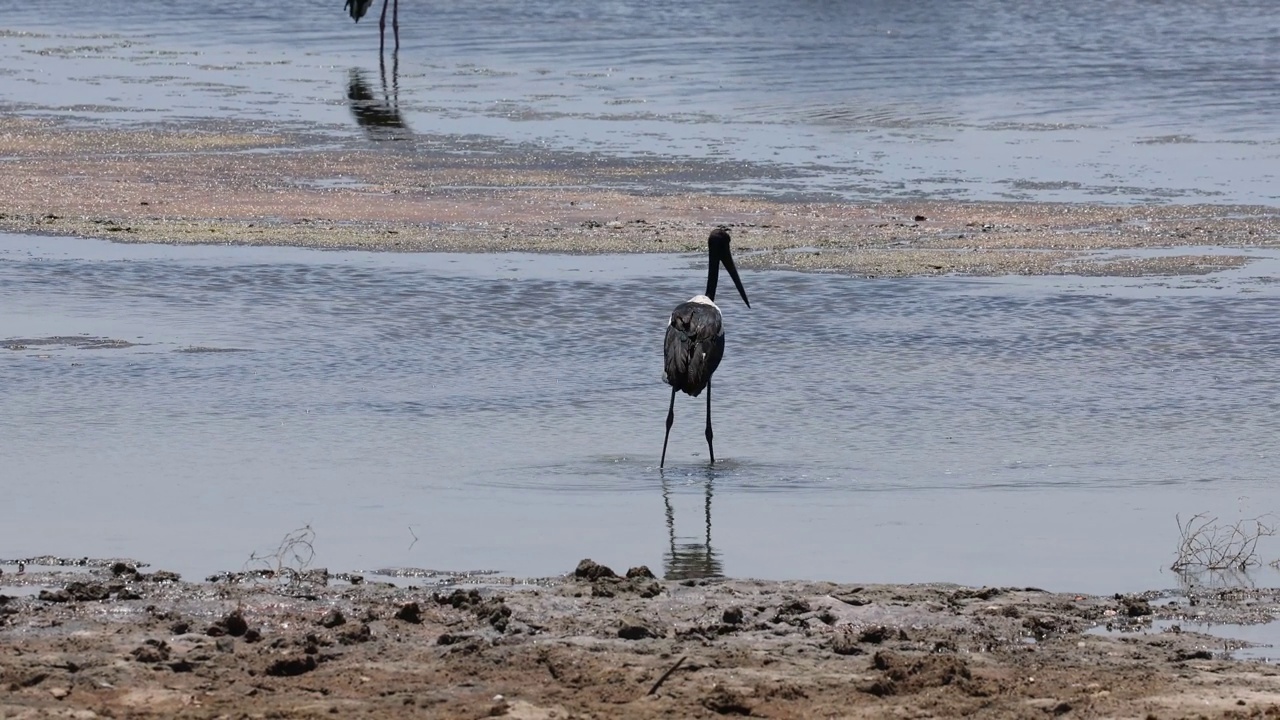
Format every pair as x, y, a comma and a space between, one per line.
1208, 545
290, 560
665, 675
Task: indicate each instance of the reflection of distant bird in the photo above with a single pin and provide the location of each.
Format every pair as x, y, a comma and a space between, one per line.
380, 118
690, 559
695, 338
358, 8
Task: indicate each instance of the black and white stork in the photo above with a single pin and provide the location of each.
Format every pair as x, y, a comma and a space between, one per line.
694, 344
358, 8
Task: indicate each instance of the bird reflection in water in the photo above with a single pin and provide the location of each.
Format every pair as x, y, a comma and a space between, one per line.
687, 559
379, 118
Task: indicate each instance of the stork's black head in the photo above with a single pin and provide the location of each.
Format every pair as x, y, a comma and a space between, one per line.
718, 249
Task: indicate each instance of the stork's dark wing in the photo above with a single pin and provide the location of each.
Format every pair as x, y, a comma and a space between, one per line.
694, 346
358, 8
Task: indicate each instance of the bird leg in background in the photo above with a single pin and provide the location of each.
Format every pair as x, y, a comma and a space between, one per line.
671, 418
711, 450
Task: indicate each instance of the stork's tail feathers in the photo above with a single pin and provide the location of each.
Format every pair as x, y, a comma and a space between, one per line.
357, 8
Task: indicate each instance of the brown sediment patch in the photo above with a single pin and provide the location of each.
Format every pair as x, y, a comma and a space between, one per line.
552, 648
232, 183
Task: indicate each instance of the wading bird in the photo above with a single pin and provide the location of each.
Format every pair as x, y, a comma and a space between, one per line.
695, 338
358, 8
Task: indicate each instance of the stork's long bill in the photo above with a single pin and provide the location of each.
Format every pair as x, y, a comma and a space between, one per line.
720, 255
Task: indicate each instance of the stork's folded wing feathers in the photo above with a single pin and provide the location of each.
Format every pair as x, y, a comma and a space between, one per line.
693, 347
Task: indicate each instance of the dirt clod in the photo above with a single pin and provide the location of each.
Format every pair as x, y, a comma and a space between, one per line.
233, 624
290, 667
1135, 606
633, 629
153, 651
589, 569
409, 612
905, 674
723, 701
361, 633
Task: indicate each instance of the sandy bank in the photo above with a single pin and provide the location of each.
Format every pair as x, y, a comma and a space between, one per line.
247, 184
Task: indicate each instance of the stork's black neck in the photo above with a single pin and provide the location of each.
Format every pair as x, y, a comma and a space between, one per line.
713, 276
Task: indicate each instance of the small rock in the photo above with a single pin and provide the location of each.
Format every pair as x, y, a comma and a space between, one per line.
59, 692
57, 596
180, 627
920, 218
226, 645
732, 616
123, 568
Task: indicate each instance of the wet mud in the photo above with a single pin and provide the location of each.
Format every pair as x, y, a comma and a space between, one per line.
240, 183
107, 639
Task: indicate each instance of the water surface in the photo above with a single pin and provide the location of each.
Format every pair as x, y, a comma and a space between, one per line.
1130, 101
507, 410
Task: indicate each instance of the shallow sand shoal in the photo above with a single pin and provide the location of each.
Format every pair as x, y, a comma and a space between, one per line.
117, 642
246, 184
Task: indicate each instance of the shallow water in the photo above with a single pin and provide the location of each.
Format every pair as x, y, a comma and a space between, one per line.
507, 411
1129, 101
1255, 641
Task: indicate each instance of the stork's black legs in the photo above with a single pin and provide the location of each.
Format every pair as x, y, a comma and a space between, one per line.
395, 21
382, 28
710, 449
395, 24
671, 418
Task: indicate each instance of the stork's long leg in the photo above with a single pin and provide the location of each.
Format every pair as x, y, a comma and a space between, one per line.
395, 21
671, 418
710, 448
382, 27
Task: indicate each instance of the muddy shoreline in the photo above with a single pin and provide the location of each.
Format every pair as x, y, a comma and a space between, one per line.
121, 641
243, 183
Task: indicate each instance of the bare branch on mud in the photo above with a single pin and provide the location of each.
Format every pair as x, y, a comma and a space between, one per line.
290, 562
666, 675
1207, 545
